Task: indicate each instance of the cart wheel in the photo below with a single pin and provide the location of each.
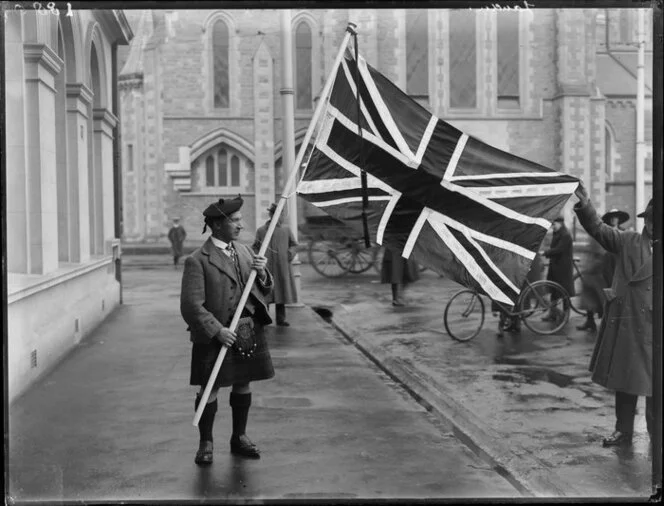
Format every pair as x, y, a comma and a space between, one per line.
362, 258
330, 258
541, 300
464, 315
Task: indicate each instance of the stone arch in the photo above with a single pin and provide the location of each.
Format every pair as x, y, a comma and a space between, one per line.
219, 136
223, 16
94, 41
72, 42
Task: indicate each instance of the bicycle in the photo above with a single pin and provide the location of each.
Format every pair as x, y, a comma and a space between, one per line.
465, 311
338, 255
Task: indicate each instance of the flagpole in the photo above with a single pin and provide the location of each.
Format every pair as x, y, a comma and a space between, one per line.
350, 29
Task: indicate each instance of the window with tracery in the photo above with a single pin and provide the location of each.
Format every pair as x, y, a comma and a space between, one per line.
417, 52
220, 51
507, 42
224, 167
463, 59
303, 66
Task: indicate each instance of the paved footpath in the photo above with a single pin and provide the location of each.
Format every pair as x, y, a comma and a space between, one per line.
525, 402
113, 420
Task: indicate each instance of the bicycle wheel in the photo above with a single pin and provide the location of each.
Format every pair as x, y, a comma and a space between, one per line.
544, 307
329, 258
362, 258
464, 315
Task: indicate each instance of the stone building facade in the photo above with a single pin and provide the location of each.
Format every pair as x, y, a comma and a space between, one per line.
61, 133
201, 103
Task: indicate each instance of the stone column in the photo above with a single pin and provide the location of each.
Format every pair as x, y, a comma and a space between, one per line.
42, 64
104, 122
263, 132
16, 177
79, 98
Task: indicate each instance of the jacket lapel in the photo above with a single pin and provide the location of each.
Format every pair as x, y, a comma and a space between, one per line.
219, 259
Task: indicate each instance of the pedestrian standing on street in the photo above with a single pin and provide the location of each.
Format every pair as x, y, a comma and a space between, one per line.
279, 254
599, 274
213, 280
177, 235
399, 272
560, 262
622, 357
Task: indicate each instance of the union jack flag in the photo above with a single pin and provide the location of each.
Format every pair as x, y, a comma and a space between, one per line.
451, 202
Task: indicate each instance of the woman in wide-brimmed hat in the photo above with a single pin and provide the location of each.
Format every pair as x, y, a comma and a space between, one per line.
599, 274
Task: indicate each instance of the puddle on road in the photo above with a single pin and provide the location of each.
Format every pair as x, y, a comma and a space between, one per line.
510, 361
535, 375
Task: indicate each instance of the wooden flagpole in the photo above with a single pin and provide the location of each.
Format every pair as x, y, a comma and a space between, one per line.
350, 29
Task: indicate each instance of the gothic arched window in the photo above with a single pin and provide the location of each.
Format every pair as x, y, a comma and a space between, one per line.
507, 61
220, 50
303, 66
209, 171
224, 168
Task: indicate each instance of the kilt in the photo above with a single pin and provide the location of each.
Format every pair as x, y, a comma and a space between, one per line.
234, 368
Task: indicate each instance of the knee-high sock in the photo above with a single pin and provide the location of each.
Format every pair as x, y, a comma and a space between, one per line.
240, 404
207, 418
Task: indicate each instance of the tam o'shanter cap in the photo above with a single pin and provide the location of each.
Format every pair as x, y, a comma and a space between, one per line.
223, 207
621, 215
648, 212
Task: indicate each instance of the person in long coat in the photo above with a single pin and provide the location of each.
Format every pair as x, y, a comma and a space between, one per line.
560, 257
622, 357
398, 271
599, 274
212, 284
279, 254
177, 235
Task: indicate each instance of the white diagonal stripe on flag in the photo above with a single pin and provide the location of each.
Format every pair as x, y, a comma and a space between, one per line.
353, 87
383, 110
469, 235
458, 149
494, 206
425, 139
415, 232
469, 263
332, 185
368, 136
386, 217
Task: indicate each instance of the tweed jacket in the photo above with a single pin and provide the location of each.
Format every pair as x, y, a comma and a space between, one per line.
211, 291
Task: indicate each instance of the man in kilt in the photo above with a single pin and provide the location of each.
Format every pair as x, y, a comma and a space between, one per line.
213, 280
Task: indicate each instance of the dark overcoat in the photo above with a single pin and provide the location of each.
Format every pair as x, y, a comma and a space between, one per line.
396, 269
211, 291
597, 276
177, 236
279, 255
622, 358
560, 257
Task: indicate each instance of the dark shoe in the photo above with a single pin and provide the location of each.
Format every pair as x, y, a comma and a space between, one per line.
242, 445
283, 324
397, 303
589, 325
617, 439
204, 453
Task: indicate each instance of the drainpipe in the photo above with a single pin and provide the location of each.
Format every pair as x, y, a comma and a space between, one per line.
640, 117
117, 166
288, 129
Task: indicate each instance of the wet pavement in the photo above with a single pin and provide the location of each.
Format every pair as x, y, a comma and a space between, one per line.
113, 421
525, 401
